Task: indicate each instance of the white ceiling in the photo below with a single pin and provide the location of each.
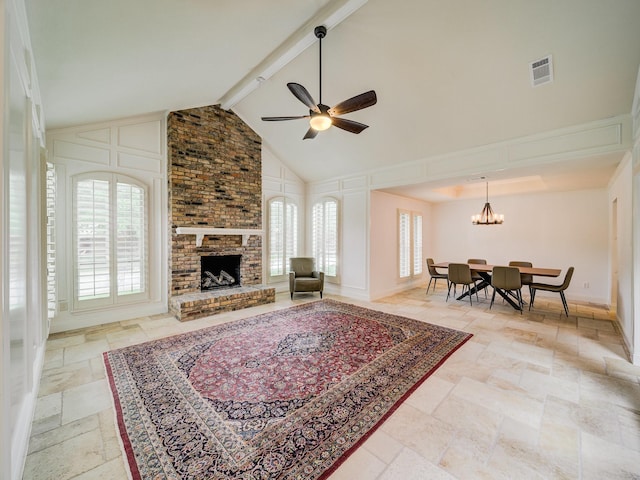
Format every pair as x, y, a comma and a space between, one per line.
449, 75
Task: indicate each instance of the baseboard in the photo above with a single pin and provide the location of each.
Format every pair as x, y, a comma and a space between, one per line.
396, 289
350, 292
627, 344
70, 321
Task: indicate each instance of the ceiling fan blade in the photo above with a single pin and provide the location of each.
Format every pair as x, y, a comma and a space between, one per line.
303, 95
358, 102
311, 133
348, 125
279, 119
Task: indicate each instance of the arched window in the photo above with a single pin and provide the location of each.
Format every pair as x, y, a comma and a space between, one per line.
110, 239
283, 235
324, 232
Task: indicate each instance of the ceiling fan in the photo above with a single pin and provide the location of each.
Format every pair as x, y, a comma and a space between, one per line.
321, 117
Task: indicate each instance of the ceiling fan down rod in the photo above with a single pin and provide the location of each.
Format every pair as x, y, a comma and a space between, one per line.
320, 32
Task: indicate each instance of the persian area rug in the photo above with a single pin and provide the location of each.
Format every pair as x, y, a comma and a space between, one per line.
282, 395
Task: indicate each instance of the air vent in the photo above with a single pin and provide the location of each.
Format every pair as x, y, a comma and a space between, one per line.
541, 71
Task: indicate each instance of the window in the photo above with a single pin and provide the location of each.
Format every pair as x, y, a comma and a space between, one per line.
409, 244
283, 235
417, 244
324, 231
110, 239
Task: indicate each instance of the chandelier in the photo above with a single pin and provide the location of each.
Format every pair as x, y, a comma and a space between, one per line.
487, 217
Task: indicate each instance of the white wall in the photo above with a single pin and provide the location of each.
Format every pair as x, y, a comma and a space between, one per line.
384, 242
23, 320
279, 181
555, 230
635, 239
352, 195
135, 147
634, 333
620, 199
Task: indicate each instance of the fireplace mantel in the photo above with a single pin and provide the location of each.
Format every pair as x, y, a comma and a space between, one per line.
200, 232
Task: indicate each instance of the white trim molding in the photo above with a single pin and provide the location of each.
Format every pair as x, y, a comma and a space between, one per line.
200, 233
578, 141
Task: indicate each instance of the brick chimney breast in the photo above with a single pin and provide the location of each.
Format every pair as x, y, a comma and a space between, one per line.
215, 180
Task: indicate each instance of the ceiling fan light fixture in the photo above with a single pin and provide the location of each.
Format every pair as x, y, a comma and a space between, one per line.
322, 117
320, 122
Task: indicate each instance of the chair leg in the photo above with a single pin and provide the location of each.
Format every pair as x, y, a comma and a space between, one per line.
533, 296
469, 292
320, 295
428, 286
448, 292
564, 303
291, 295
519, 295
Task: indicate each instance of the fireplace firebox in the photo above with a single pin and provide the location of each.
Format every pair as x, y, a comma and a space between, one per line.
219, 271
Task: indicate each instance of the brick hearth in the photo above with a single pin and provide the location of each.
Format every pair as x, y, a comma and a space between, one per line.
195, 305
215, 180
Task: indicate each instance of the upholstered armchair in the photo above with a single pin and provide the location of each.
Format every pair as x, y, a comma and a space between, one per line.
303, 277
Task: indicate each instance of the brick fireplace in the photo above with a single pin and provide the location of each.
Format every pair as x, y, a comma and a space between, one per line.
215, 209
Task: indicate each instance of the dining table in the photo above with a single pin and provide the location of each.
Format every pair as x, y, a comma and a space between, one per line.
485, 273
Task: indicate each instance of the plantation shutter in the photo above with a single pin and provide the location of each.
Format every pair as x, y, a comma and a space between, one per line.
331, 238
110, 240
276, 242
92, 239
409, 244
52, 299
283, 235
404, 244
130, 239
324, 244
291, 234
317, 238
417, 244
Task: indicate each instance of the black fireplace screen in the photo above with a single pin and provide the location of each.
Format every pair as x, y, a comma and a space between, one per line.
218, 271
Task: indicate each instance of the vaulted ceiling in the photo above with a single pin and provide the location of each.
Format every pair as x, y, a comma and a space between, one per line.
449, 75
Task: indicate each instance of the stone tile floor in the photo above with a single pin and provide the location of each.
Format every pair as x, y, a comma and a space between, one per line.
532, 396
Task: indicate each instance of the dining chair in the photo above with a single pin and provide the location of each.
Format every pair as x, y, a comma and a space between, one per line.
434, 274
476, 276
553, 288
460, 274
507, 279
525, 278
